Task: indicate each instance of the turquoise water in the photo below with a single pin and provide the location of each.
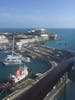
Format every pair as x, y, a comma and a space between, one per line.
67, 41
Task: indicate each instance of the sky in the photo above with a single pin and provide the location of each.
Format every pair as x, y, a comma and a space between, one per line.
37, 13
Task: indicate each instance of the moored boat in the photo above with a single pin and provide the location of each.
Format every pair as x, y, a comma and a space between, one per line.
10, 60
13, 58
20, 74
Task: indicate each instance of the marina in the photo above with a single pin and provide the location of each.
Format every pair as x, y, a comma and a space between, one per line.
39, 58
37, 50
52, 59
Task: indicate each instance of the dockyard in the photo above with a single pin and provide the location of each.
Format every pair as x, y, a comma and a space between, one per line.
29, 46
44, 52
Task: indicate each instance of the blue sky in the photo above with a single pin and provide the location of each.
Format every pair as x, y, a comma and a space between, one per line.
37, 13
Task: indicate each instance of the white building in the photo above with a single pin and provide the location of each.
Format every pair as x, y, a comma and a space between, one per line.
3, 39
42, 37
45, 36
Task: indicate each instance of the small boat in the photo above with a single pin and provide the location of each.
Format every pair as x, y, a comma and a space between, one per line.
20, 74
26, 59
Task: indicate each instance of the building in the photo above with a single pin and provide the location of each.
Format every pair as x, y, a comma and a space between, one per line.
3, 39
34, 39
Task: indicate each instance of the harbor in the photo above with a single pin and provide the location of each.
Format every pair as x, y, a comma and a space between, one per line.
37, 50
14, 56
51, 61
39, 59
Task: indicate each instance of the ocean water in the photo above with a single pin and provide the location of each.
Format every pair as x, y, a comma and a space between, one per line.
66, 41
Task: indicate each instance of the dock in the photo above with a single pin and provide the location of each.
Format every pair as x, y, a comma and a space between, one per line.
31, 52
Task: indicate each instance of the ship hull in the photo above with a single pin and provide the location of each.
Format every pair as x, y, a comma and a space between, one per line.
20, 74
22, 80
7, 63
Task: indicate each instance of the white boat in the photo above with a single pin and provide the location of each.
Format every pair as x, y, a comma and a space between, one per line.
10, 60
26, 59
13, 58
20, 74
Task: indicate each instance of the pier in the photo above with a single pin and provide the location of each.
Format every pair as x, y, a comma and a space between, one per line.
30, 52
